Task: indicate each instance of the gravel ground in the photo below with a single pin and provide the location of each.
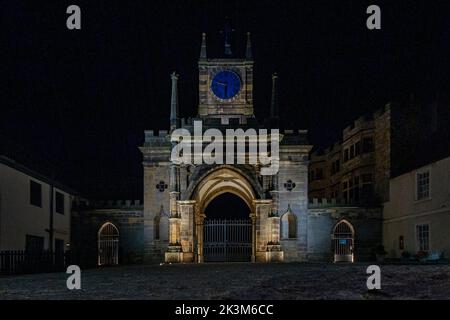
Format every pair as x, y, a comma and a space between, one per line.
236, 281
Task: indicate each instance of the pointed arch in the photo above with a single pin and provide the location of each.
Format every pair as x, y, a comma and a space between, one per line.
108, 244
224, 180
343, 236
288, 225
343, 226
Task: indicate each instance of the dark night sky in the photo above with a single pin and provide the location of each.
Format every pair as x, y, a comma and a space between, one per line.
82, 99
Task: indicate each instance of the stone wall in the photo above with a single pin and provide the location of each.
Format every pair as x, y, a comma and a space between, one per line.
292, 197
382, 139
322, 217
87, 221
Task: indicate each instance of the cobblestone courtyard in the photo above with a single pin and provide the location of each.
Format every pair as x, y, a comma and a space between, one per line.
236, 281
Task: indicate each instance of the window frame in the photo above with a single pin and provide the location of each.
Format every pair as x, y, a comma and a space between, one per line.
418, 244
346, 154
31, 202
368, 147
421, 172
288, 226
63, 202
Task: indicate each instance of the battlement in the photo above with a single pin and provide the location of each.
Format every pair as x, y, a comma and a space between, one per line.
380, 112
294, 137
326, 203
152, 134
362, 123
160, 138
108, 204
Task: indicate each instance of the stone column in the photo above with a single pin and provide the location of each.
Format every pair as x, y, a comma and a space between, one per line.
253, 217
187, 228
263, 209
274, 252
174, 250
267, 231
199, 219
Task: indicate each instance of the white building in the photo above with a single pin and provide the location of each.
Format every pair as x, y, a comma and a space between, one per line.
25, 219
417, 217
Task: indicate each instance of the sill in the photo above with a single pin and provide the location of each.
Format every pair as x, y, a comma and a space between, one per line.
423, 200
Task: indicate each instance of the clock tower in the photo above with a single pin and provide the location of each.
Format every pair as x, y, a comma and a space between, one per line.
226, 85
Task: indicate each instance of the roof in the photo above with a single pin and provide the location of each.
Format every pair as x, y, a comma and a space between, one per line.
19, 167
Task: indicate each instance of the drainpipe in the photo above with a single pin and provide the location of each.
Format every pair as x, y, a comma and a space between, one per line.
51, 231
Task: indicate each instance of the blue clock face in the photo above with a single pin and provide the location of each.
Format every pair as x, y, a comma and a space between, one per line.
226, 84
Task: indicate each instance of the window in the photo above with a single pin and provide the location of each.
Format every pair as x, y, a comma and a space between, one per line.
356, 189
401, 243
35, 194
319, 174
352, 151
346, 155
34, 244
368, 145
423, 185
335, 167
423, 237
357, 148
345, 191
366, 178
367, 186
350, 190
59, 202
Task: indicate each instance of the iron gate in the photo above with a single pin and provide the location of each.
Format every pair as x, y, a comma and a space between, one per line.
343, 242
108, 245
227, 240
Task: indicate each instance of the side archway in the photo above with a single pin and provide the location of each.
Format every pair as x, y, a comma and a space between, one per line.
343, 241
108, 244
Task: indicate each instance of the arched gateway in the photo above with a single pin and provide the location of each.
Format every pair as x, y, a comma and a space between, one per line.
223, 238
189, 222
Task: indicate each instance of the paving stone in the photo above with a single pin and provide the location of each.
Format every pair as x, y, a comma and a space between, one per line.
235, 281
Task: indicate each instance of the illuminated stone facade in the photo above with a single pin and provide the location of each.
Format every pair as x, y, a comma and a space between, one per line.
192, 187
282, 224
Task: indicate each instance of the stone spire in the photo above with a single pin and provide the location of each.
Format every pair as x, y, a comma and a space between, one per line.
248, 49
174, 102
274, 101
227, 30
203, 48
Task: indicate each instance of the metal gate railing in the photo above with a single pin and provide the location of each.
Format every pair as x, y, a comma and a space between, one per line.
227, 240
108, 245
343, 242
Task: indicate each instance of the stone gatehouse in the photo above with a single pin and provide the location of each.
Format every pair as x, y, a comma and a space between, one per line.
176, 223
